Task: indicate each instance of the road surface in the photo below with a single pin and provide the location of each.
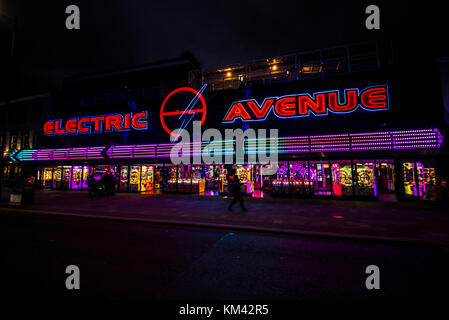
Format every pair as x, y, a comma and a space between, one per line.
156, 262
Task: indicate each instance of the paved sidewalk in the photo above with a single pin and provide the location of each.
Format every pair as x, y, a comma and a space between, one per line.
415, 222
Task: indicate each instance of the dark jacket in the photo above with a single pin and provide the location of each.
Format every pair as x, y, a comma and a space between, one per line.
235, 187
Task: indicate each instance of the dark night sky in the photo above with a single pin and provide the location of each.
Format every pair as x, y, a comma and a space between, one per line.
117, 33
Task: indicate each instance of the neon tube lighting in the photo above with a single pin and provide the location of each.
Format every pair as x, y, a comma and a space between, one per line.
393, 140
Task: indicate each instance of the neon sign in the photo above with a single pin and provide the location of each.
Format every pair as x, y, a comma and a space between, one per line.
97, 124
189, 111
373, 98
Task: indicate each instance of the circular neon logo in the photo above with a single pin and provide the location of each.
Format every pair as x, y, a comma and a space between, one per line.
180, 108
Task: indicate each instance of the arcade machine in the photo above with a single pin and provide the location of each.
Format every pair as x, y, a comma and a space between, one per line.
57, 177
77, 172
198, 180
299, 178
342, 178
147, 178
280, 184
172, 178
134, 178
85, 176
47, 178
365, 184
184, 178
320, 178
124, 176
66, 177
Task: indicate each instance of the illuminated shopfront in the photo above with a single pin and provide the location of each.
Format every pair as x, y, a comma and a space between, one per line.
138, 178
367, 178
341, 178
335, 140
149, 178
332, 178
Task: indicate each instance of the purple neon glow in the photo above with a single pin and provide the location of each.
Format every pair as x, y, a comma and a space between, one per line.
374, 180
392, 140
421, 186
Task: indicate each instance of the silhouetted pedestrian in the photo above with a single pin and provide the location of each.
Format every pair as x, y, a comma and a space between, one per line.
109, 182
234, 189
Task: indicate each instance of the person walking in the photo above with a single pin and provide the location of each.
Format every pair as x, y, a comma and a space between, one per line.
236, 193
109, 183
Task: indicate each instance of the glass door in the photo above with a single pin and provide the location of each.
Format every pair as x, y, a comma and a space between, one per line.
124, 178
77, 172
147, 180
365, 182
420, 179
57, 177
341, 178
172, 177
320, 178
430, 182
47, 177
385, 176
86, 170
409, 174
134, 178
158, 177
66, 177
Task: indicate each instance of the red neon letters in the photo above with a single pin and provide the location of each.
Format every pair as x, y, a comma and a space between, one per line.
303, 105
96, 124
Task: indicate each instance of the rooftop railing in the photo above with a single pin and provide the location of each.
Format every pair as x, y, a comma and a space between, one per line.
315, 63
300, 65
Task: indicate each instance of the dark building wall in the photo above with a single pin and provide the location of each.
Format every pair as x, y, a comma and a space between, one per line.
161, 73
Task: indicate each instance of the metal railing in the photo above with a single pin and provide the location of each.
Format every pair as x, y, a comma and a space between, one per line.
300, 65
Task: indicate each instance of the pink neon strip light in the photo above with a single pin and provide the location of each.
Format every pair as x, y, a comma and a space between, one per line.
393, 140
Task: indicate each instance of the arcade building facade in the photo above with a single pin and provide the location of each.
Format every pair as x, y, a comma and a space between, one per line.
351, 124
